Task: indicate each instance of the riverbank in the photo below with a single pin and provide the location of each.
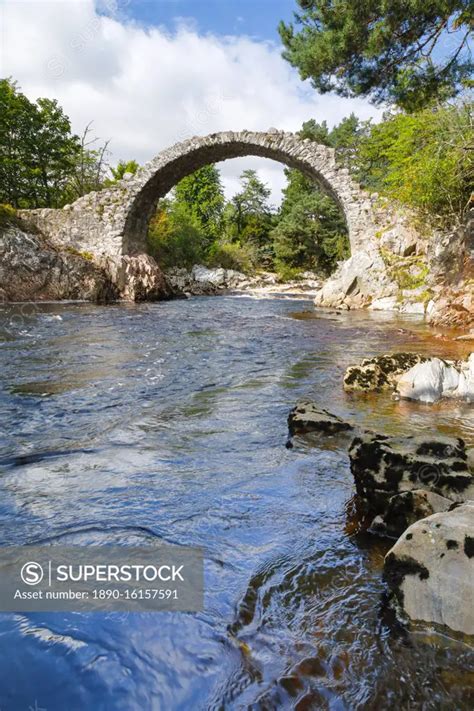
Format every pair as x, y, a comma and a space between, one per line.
441, 283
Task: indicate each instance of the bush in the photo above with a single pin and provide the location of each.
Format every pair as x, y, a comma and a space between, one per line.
424, 159
232, 255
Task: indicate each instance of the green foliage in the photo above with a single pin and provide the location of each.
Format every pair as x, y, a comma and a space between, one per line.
386, 49
122, 168
203, 195
233, 255
311, 232
37, 150
424, 159
42, 164
7, 215
175, 236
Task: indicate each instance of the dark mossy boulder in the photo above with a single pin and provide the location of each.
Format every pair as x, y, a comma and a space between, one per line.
405, 509
381, 372
383, 466
309, 417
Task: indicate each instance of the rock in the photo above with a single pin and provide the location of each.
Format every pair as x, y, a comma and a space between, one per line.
454, 306
413, 307
406, 508
357, 275
308, 417
381, 372
430, 570
137, 278
435, 378
387, 303
216, 277
383, 466
31, 269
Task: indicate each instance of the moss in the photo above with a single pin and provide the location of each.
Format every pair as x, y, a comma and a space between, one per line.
77, 253
407, 272
8, 215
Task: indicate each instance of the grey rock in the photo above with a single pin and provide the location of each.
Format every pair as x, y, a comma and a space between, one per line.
31, 269
430, 570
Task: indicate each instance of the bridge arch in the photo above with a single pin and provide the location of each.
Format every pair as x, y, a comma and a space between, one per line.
157, 177
114, 222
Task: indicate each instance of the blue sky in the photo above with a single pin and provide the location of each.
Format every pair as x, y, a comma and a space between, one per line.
256, 18
149, 74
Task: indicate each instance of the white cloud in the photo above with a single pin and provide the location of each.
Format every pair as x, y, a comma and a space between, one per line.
146, 88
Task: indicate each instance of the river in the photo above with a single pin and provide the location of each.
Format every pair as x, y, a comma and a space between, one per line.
167, 421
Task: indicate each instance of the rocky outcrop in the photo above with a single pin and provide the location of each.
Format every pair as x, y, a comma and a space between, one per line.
308, 417
381, 372
405, 509
356, 282
453, 306
383, 466
137, 278
434, 379
31, 269
203, 281
430, 570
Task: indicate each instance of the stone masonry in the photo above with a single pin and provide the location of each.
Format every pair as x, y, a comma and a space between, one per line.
112, 223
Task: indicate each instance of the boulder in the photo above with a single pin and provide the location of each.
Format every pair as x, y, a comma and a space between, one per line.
137, 278
216, 277
406, 508
308, 417
383, 466
381, 372
364, 275
430, 570
32, 269
435, 378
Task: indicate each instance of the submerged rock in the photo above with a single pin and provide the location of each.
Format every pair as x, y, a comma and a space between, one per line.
381, 372
405, 509
430, 570
383, 466
308, 417
434, 379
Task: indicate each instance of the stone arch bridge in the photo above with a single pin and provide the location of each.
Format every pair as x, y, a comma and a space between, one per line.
111, 224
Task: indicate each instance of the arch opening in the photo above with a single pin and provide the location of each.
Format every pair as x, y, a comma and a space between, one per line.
167, 169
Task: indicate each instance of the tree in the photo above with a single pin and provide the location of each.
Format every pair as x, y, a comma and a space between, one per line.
175, 235
203, 195
37, 150
390, 50
90, 167
42, 163
252, 211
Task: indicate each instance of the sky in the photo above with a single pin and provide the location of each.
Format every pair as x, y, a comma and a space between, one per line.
150, 73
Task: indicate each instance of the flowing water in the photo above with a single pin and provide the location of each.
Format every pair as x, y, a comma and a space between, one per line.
168, 421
